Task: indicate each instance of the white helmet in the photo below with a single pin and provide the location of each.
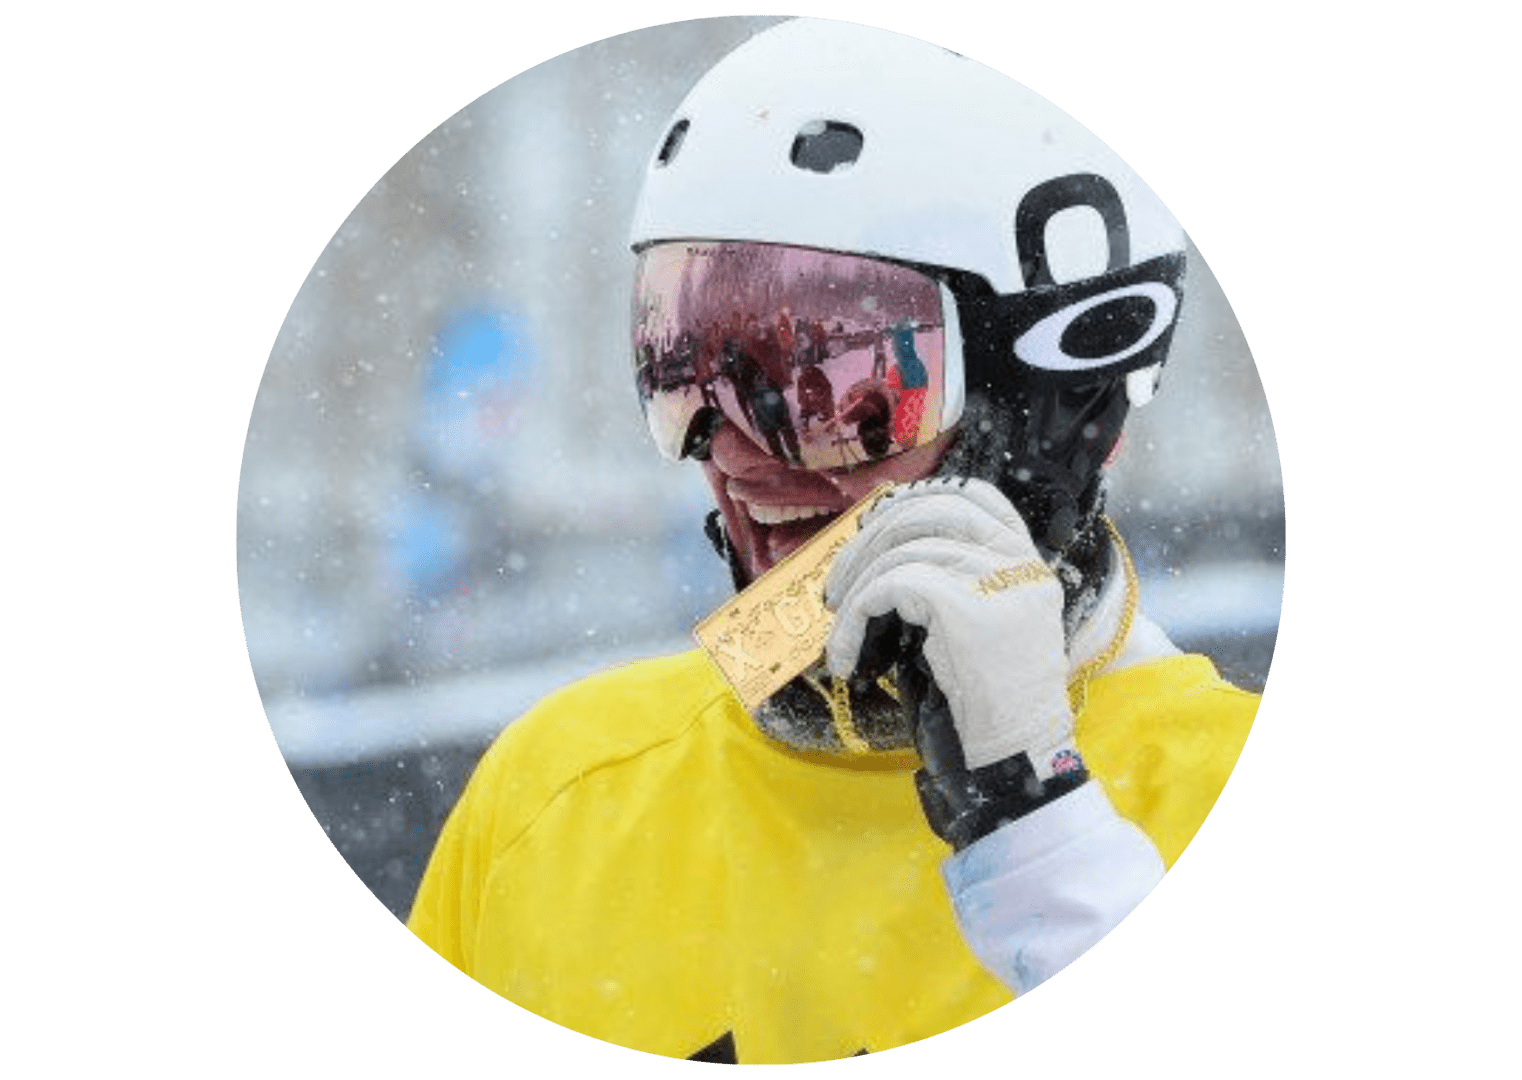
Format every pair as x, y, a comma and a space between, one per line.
948, 150
1064, 266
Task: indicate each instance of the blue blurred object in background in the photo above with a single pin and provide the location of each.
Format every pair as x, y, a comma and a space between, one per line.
428, 545
473, 392
474, 389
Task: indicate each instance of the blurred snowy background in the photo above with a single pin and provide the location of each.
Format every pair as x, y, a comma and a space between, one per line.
450, 505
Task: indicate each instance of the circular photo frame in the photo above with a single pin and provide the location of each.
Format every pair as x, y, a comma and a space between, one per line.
605, 358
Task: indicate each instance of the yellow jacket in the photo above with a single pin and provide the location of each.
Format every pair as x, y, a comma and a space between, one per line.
633, 859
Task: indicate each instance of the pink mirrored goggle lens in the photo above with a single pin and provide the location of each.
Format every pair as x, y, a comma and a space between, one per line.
825, 361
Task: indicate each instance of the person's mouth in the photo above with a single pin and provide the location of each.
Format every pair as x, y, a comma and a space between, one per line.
781, 530
781, 515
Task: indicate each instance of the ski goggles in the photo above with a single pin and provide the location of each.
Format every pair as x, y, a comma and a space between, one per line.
823, 360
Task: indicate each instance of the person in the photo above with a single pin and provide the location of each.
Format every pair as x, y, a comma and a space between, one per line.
816, 395
868, 407
909, 382
998, 754
761, 397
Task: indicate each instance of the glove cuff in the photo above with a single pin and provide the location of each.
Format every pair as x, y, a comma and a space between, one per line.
965, 805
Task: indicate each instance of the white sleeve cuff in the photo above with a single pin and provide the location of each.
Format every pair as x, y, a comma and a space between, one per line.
1034, 895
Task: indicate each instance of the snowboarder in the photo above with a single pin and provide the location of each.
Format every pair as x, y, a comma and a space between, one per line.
642, 860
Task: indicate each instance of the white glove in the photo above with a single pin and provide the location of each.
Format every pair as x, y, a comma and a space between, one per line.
954, 557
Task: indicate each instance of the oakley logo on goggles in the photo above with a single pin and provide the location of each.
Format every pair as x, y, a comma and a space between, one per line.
825, 361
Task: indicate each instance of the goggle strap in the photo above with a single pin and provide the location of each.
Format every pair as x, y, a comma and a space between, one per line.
991, 326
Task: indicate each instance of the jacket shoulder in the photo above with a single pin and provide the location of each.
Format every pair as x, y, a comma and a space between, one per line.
1168, 683
1162, 738
600, 721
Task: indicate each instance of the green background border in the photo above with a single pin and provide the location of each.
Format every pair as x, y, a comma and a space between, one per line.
174, 174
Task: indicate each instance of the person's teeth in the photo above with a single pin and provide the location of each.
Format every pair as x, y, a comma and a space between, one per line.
777, 515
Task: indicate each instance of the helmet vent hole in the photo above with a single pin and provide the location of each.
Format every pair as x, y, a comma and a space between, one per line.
822, 146
673, 143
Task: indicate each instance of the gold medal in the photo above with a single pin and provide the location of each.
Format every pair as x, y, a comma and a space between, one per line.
776, 628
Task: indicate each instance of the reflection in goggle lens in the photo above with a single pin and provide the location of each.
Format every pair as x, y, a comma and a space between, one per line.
825, 361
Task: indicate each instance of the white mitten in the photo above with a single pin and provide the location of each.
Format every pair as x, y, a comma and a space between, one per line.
954, 556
